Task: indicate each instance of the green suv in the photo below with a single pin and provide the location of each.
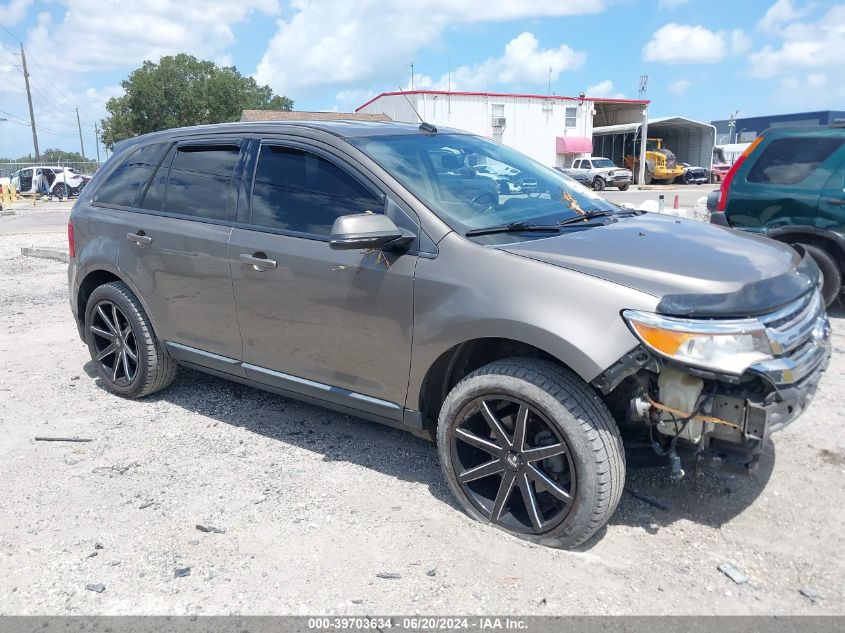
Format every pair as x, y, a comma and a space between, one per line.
789, 185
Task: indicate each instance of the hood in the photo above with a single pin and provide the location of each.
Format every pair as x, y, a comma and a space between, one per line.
695, 269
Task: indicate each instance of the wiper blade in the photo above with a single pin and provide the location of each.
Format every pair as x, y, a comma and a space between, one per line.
515, 227
587, 216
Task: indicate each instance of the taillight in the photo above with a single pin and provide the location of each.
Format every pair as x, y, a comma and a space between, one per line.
71, 244
728, 177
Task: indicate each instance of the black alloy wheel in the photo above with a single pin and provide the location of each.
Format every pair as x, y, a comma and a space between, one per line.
114, 343
513, 465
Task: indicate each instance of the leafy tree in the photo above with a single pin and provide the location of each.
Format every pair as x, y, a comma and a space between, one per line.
50, 157
182, 90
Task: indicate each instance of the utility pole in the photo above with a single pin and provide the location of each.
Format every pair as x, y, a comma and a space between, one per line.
643, 85
412, 75
79, 126
732, 126
97, 141
29, 99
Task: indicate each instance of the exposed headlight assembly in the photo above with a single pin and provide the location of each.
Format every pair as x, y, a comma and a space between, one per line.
728, 346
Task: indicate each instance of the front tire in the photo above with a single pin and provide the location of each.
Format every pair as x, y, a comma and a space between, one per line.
598, 184
623, 187
527, 446
129, 358
831, 274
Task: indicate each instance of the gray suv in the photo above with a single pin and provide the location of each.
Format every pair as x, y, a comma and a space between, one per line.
527, 331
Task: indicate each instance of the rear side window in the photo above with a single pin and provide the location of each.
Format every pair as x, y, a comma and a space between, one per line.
154, 197
299, 191
123, 184
198, 184
788, 161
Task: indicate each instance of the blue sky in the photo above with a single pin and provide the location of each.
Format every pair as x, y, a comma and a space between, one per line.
704, 58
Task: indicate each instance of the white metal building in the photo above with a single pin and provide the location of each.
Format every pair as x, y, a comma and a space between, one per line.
552, 129
691, 141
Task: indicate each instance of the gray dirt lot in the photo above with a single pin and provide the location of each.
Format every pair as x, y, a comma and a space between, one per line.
315, 504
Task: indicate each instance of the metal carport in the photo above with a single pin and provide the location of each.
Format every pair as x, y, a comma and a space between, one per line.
691, 141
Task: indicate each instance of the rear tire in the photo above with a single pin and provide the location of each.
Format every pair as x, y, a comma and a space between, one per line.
116, 329
60, 190
831, 274
564, 414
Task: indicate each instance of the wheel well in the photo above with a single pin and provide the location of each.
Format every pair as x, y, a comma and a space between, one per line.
462, 359
829, 245
91, 282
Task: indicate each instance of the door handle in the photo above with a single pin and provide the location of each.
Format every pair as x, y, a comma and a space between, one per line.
139, 238
258, 261
839, 201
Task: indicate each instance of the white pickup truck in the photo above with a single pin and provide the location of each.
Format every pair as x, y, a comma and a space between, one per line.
600, 173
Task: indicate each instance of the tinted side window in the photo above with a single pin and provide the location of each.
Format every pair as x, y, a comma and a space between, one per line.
154, 197
788, 161
199, 180
123, 184
298, 191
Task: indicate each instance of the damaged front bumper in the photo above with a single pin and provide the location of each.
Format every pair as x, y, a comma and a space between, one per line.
756, 414
717, 415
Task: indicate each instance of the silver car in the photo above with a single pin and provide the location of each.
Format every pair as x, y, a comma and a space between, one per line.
531, 333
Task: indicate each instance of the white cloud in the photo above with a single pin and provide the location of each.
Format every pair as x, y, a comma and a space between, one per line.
805, 46
679, 88
693, 44
122, 34
523, 62
604, 89
671, 4
807, 59
14, 11
65, 49
348, 100
779, 13
345, 43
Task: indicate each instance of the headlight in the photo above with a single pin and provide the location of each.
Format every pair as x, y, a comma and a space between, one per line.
721, 345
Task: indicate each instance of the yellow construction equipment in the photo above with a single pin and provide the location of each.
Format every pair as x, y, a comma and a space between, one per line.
660, 162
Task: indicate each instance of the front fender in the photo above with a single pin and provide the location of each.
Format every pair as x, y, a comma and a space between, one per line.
572, 316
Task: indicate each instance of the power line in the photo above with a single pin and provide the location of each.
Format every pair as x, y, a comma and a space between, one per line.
15, 37
54, 83
15, 53
10, 62
14, 116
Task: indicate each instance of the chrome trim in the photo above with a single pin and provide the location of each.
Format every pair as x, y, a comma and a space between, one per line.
793, 324
788, 370
695, 326
800, 338
292, 382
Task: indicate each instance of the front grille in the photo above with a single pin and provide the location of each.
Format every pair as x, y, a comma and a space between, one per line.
800, 338
793, 325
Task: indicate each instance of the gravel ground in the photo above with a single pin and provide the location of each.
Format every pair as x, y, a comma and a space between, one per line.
311, 506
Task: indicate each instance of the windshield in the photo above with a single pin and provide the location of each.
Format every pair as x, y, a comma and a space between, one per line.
443, 171
603, 162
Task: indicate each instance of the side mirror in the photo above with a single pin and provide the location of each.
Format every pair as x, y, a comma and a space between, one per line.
368, 230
